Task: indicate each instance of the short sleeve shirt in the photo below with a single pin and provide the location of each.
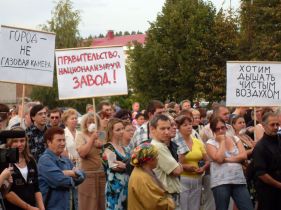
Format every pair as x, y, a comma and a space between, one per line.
166, 165
225, 173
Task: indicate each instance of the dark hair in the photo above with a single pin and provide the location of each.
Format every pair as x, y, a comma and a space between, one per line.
55, 110
4, 112
102, 103
51, 132
154, 122
34, 110
123, 114
214, 121
265, 110
139, 115
181, 119
234, 119
203, 112
153, 105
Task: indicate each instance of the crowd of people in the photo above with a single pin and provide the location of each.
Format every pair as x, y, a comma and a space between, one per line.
168, 156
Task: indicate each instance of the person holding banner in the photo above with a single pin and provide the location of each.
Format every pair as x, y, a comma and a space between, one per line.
91, 191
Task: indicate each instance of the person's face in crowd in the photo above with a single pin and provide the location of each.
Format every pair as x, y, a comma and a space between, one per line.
220, 128
41, 117
107, 111
224, 114
258, 114
118, 130
153, 163
186, 128
162, 132
140, 120
136, 107
55, 119
272, 125
173, 129
71, 121
239, 124
128, 132
57, 144
19, 143
177, 108
196, 119
186, 105
90, 121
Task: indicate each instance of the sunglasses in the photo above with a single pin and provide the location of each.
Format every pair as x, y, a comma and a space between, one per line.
54, 117
221, 128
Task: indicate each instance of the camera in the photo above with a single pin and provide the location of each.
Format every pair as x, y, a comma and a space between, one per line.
10, 155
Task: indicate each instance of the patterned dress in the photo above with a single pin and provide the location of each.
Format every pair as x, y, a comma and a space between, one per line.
116, 189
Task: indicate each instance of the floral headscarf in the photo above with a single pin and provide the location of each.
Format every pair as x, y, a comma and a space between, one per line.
143, 153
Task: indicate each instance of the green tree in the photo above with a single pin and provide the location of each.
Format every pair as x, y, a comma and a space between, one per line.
211, 80
184, 47
64, 23
260, 30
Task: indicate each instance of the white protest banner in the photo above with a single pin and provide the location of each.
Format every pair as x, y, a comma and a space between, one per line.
85, 73
253, 83
26, 56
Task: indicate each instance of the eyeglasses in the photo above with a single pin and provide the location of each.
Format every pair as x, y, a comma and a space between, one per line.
54, 117
221, 128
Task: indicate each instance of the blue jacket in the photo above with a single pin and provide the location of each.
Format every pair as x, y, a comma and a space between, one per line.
52, 179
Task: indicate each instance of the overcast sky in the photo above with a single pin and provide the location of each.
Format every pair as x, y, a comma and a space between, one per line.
98, 16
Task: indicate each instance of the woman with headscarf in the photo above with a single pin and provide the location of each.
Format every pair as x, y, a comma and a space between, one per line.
145, 189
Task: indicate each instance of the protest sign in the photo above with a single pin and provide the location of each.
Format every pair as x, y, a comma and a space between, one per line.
26, 56
88, 72
253, 83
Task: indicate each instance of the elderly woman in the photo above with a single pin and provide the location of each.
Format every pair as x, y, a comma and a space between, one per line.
91, 191
69, 118
114, 158
145, 190
227, 178
24, 192
57, 175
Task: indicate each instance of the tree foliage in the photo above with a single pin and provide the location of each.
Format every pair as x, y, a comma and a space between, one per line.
260, 30
185, 53
64, 23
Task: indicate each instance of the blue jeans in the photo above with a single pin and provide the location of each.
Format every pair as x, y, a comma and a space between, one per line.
239, 194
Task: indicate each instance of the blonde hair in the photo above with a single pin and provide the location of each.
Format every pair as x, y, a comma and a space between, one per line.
109, 128
85, 120
67, 114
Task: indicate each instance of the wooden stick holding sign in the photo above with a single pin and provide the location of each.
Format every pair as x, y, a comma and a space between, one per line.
95, 113
22, 105
255, 123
